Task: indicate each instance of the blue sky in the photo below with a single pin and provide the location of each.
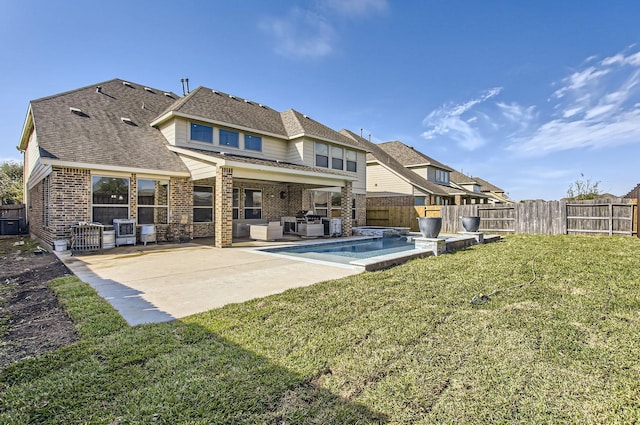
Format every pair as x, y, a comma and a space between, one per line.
527, 95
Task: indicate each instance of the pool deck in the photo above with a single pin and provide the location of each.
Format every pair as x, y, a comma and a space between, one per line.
162, 282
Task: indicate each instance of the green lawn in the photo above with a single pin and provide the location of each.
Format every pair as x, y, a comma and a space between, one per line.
404, 345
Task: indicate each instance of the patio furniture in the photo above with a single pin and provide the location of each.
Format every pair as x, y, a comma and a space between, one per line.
266, 232
86, 237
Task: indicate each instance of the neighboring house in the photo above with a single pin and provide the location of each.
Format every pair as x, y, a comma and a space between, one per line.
397, 174
497, 195
390, 183
634, 193
207, 164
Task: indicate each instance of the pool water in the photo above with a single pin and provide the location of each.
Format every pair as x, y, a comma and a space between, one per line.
346, 251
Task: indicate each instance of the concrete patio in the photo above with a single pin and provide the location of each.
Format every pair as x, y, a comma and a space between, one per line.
157, 283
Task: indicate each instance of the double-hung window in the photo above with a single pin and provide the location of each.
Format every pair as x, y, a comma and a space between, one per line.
229, 138
337, 162
252, 143
236, 203
321, 203
202, 204
252, 204
201, 133
352, 161
336, 204
109, 198
153, 201
322, 155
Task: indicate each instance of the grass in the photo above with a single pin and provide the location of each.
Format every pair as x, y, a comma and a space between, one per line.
404, 345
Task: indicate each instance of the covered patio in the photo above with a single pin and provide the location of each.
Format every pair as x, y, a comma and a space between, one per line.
250, 191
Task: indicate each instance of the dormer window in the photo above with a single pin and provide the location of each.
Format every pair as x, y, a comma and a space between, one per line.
442, 176
229, 138
252, 143
201, 133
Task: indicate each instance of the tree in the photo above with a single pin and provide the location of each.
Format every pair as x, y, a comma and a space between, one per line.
583, 189
11, 180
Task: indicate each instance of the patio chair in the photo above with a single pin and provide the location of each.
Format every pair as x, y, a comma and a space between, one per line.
266, 232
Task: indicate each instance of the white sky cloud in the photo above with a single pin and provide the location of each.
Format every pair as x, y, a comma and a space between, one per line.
306, 33
597, 108
357, 8
301, 34
448, 120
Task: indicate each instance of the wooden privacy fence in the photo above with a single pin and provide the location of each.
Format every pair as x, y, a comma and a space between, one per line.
604, 217
399, 216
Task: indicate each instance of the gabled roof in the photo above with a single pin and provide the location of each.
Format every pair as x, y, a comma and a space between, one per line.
485, 186
107, 126
219, 107
408, 156
387, 161
233, 111
459, 178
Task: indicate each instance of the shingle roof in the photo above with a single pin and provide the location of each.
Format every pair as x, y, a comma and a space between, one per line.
295, 121
265, 162
225, 108
94, 131
235, 111
633, 193
377, 153
485, 186
408, 156
459, 178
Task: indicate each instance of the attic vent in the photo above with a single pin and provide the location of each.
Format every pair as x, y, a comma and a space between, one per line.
149, 90
99, 89
126, 120
262, 106
232, 96
168, 95
75, 110
128, 84
307, 117
248, 101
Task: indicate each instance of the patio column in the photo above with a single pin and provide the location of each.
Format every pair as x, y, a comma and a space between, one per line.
224, 207
345, 208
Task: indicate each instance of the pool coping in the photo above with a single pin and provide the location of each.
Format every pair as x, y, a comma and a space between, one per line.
453, 243
365, 264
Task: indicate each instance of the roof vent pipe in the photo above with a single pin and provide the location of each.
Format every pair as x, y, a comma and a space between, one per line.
183, 81
99, 89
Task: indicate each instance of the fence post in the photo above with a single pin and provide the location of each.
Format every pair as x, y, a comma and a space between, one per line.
610, 219
637, 216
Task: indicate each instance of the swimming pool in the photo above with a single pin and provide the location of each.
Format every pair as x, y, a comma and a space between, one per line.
345, 252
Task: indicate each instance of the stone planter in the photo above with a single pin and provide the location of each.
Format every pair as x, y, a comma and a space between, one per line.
430, 226
471, 223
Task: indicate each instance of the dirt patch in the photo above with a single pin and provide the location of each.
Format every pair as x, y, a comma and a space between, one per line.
32, 321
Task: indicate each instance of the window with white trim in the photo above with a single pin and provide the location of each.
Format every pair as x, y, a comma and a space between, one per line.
202, 204
153, 201
352, 161
442, 176
321, 203
252, 143
201, 133
109, 198
337, 162
236, 203
229, 138
252, 204
322, 155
